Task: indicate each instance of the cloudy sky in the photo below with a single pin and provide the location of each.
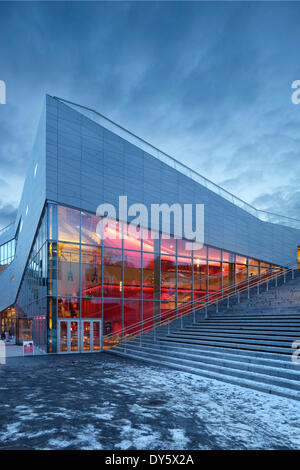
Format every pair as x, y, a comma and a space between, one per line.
207, 82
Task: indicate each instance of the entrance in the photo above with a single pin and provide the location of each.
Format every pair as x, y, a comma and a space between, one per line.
79, 336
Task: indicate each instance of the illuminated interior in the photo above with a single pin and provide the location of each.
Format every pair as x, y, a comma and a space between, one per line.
74, 276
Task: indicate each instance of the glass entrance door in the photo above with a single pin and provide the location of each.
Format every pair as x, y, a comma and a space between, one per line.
79, 336
91, 335
68, 336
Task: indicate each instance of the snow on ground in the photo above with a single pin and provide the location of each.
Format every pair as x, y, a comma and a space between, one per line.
104, 402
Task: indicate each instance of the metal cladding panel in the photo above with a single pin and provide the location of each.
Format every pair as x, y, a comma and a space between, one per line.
88, 164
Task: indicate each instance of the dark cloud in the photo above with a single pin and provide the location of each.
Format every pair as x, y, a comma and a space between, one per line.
208, 82
286, 201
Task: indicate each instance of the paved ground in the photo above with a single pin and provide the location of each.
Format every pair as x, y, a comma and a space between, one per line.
12, 350
98, 401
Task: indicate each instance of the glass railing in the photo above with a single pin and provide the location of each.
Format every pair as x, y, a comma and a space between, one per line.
181, 167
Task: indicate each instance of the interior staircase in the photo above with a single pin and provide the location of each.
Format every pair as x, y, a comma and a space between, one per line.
248, 345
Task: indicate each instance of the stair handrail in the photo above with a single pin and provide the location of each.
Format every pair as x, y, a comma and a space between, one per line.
165, 317
261, 280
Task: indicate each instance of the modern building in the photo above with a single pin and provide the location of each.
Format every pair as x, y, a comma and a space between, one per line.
66, 288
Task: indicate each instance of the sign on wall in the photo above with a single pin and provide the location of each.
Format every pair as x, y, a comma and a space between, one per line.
28, 348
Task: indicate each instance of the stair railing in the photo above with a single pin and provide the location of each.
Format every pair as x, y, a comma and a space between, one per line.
164, 319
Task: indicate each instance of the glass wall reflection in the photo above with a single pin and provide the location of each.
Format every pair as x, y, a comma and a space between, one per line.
73, 273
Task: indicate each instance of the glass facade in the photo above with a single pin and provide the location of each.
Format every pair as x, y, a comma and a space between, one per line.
32, 302
7, 321
7, 254
74, 279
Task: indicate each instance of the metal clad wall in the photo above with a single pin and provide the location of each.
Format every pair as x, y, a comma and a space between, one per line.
87, 165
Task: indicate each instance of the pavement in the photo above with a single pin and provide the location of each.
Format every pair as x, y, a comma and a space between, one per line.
10, 349
100, 401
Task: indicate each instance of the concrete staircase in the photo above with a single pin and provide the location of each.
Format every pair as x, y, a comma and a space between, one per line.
282, 299
250, 348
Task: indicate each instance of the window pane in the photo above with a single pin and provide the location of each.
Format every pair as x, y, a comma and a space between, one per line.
200, 252
228, 274
132, 237
112, 272
148, 242
181, 248
68, 270
215, 276
86, 336
68, 307
132, 274
227, 256
253, 262
241, 273
214, 253
96, 336
74, 335
112, 319
113, 234
240, 259
148, 314
253, 272
185, 278
89, 233
200, 278
148, 275
63, 336
91, 271
167, 309
168, 277
68, 224
91, 308
132, 315
168, 246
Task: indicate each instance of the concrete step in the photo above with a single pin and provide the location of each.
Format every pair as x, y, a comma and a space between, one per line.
255, 316
221, 375
245, 323
237, 339
256, 357
243, 333
225, 328
231, 344
248, 344
269, 367
262, 310
252, 353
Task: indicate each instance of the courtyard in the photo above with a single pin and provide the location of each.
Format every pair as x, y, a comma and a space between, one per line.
99, 401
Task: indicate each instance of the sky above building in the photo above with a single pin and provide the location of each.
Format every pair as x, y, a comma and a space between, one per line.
207, 82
